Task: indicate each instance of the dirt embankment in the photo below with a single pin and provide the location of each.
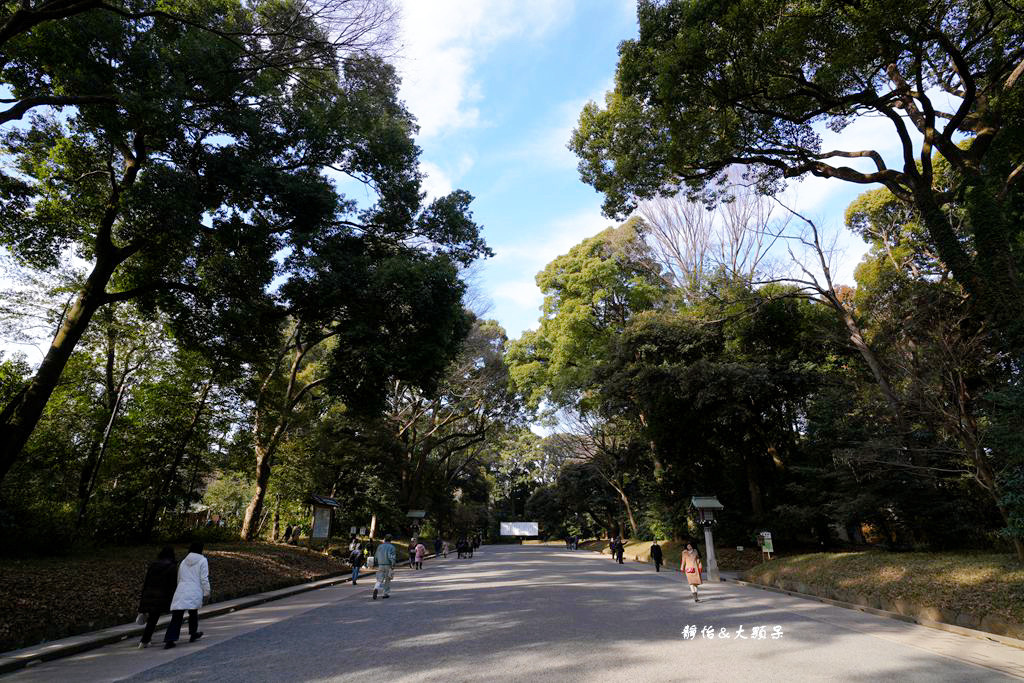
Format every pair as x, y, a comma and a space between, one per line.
49, 598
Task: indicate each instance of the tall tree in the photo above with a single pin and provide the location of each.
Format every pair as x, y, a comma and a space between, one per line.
182, 195
354, 27
442, 432
590, 295
711, 84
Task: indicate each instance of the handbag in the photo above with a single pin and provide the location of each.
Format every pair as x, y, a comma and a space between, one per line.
691, 570
141, 618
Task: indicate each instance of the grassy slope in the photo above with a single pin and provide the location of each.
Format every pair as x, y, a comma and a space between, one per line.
48, 598
952, 582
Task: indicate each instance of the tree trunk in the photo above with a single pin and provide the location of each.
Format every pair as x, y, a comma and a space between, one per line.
990, 483
93, 468
868, 354
179, 455
990, 279
629, 510
276, 532
20, 417
255, 508
756, 501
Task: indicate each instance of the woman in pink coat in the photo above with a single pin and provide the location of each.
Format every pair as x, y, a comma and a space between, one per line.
691, 569
421, 551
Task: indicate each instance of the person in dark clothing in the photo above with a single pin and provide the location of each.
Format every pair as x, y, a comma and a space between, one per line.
157, 591
656, 556
619, 549
437, 547
356, 560
192, 591
288, 533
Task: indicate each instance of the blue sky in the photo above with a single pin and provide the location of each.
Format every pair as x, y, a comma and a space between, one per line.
497, 87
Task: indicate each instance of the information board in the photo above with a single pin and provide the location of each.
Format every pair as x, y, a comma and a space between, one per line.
519, 529
321, 522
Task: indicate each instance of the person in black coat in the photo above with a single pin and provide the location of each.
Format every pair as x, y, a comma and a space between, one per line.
157, 591
656, 556
619, 549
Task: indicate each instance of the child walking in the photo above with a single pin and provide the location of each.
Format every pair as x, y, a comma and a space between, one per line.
421, 551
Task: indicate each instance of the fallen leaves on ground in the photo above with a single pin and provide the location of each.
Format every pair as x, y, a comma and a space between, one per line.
980, 583
49, 598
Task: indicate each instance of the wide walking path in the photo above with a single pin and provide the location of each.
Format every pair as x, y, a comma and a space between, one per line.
534, 613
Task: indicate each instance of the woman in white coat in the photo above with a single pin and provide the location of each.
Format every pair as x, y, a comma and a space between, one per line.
193, 588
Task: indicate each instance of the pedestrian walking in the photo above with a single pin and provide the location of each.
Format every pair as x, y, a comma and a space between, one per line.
192, 589
444, 549
691, 568
437, 548
421, 551
356, 558
157, 591
412, 553
656, 555
619, 549
385, 561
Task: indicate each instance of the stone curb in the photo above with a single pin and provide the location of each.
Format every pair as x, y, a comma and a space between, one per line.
922, 621
942, 626
73, 645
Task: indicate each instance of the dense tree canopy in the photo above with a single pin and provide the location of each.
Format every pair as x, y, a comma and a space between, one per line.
186, 191
184, 157
711, 84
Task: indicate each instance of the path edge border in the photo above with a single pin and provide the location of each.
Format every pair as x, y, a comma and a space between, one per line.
929, 623
941, 626
15, 660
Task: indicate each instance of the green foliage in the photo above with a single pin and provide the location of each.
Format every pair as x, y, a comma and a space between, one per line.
228, 495
710, 84
545, 506
186, 201
13, 374
590, 295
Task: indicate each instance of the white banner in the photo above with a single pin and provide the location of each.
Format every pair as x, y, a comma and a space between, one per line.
519, 529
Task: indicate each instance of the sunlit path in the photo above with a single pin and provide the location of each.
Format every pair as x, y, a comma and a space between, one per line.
535, 613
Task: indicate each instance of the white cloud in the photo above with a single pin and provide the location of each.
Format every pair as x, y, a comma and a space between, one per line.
561, 235
520, 293
444, 41
517, 299
436, 182
548, 146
